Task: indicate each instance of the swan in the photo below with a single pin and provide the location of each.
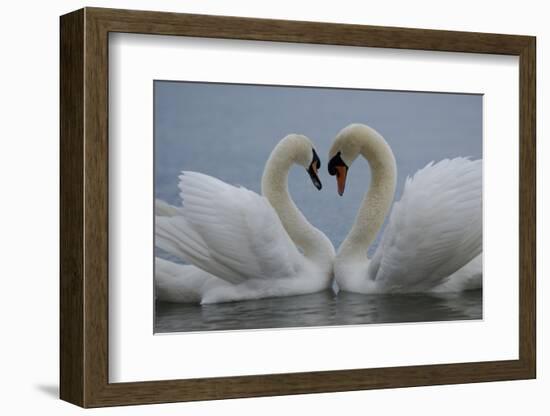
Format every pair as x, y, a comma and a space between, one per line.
433, 238
243, 245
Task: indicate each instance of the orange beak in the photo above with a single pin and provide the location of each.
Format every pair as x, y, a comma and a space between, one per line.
341, 173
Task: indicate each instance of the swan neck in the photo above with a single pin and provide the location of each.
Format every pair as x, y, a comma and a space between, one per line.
313, 243
378, 199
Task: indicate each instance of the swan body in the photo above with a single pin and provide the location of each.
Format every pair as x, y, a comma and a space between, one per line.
433, 232
246, 246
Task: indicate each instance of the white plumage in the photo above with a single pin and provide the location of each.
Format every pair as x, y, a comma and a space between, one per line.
235, 236
469, 277
228, 231
434, 231
181, 283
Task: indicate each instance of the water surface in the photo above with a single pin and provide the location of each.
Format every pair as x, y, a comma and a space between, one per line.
318, 309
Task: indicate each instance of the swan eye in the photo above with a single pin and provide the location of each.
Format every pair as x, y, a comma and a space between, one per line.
338, 167
335, 162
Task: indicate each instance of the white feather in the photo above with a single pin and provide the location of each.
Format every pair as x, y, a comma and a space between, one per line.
182, 283
237, 236
469, 277
227, 231
434, 230
164, 209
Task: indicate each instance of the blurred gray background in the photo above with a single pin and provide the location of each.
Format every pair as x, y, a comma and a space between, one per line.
229, 130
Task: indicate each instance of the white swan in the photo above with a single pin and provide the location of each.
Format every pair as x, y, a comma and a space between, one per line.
245, 245
433, 238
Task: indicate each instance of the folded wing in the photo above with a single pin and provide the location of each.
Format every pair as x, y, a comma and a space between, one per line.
434, 230
230, 232
469, 277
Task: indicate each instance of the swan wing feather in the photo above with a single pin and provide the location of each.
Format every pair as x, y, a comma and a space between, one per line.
230, 232
164, 209
434, 229
469, 277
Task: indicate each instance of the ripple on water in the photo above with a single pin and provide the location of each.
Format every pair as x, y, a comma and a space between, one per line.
318, 309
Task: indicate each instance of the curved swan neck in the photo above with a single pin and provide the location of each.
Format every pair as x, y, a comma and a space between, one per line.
377, 201
314, 244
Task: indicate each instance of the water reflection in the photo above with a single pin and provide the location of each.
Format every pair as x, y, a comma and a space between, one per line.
319, 309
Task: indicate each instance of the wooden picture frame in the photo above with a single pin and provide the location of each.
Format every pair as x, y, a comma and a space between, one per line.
84, 207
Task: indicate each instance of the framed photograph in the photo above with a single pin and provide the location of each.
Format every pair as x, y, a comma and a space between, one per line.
255, 207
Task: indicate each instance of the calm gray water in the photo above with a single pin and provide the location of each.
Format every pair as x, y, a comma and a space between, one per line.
318, 309
229, 130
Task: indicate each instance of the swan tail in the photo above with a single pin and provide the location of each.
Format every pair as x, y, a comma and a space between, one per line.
179, 283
